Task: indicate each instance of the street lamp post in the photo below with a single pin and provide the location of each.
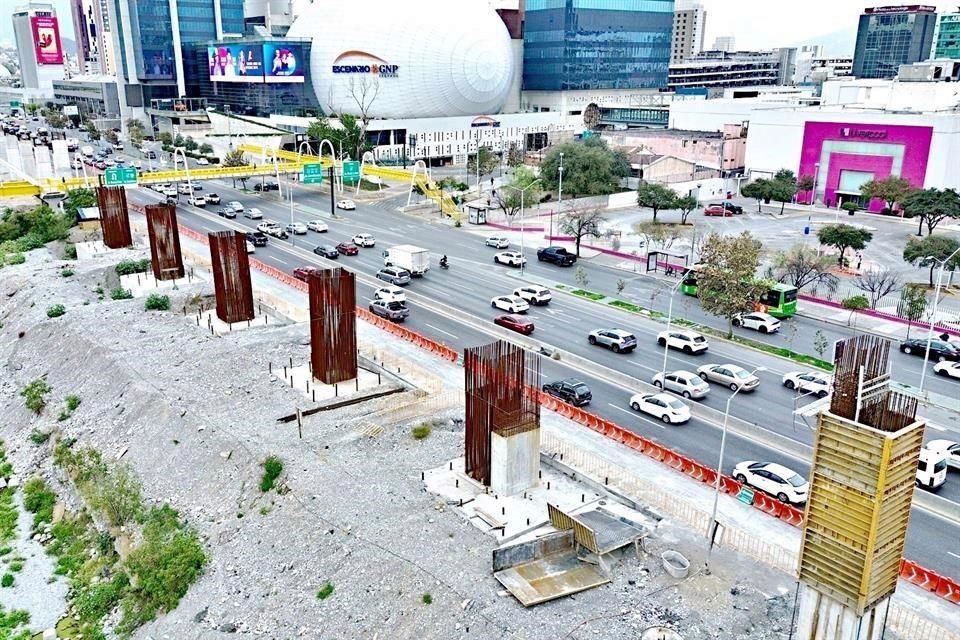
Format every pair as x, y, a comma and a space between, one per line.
816, 177
559, 198
666, 344
522, 192
290, 187
933, 317
711, 530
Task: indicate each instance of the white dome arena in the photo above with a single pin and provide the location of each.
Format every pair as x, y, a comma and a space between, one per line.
432, 58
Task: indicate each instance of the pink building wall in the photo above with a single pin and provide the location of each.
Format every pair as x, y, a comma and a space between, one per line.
914, 140
695, 146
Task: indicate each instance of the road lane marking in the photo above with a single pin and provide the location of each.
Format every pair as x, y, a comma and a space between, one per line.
441, 331
643, 366
635, 414
937, 427
279, 259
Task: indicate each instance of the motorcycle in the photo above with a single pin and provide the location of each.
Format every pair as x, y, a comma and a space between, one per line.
444, 265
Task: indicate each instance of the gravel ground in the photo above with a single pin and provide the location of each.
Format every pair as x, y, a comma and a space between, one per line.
195, 416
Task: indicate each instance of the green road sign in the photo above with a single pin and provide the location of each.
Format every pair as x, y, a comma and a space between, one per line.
351, 171
120, 176
312, 173
15, 104
587, 134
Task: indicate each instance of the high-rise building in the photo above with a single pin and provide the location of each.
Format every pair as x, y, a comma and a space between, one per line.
719, 70
946, 40
689, 25
91, 27
888, 37
36, 31
150, 36
724, 43
806, 55
603, 44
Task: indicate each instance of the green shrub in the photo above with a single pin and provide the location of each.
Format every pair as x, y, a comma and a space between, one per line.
94, 601
56, 311
325, 591
5, 550
156, 302
427, 598
66, 273
116, 493
129, 267
121, 294
16, 567
6, 580
39, 500
72, 401
38, 437
421, 431
70, 251
16, 258
35, 395
272, 468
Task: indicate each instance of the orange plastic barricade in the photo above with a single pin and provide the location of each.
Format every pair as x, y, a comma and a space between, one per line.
949, 590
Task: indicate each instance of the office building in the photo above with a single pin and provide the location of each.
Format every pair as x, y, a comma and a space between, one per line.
724, 43
151, 37
888, 37
689, 24
718, 70
36, 32
807, 55
946, 38
603, 44
91, 27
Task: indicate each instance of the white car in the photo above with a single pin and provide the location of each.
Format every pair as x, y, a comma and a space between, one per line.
775, 479
498, 242
202, 162
948, 448
346, 205
729, 375
250, 247
814, 382
683, 340
236, 206
186, 189
512, 258
364, 240
947, 368
510, 304
390, 294
758, 321
661, 406
118, 146
198, 201
534, 294
170, 192
686, 383
297, 228
253, 213
269, 227
318, 225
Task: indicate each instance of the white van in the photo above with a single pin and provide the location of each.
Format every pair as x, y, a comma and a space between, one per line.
932, 469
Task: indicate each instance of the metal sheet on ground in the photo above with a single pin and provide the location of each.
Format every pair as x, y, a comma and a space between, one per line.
550, 578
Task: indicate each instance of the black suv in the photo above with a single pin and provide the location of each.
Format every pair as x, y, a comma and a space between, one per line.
266, 186
729, 206
569, 390
257, 238
939, 349
556, 255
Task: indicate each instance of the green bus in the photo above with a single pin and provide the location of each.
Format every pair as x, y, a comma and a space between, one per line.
780, 301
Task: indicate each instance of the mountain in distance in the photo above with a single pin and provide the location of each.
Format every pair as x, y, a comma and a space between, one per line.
836, 44
69, 46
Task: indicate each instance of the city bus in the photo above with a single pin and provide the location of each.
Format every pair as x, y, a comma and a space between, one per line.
779, 301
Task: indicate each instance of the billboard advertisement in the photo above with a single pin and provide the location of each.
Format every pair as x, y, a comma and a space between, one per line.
235, 63
46, 39
283, 62
157, 64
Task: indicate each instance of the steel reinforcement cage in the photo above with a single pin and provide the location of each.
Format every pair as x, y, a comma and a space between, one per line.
114, 219
501, 392
333, 325
231, 276
165, 255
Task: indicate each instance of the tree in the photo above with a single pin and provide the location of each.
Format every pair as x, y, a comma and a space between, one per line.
111, 136
913, 303
820, 343
891, 190
348, 138
656, 197
580, 224
931, 251
518, 192
759, 190
165, 138
206, 149
515, 156
843, 237
31, 108
783, 187
235, 158
807, 185
55, 119
453, 184
656, 235
931, 206
801, 266
77, 199
488, 161
135, 131
178, 140
686, 205
191, 144
878, 283
92, 132
590, 168
726, 282
855, 304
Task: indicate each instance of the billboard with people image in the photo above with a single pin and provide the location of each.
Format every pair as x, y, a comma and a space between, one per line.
46, 39
283, 62
235, 63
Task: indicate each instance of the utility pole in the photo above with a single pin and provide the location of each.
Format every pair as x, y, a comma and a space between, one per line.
333, 209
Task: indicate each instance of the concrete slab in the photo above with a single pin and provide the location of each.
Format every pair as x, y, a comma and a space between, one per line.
96, 250
216, 326
143, 284
550, 578
301, 377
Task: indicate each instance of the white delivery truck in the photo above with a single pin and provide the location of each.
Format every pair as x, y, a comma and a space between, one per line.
416, 260
931, 469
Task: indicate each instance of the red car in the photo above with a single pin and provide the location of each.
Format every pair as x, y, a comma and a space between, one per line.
515, 323
348, 248
302, 273
717, 210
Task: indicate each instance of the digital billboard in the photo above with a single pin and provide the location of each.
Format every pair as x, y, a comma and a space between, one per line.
157, 64
235, 63
46, 39
283, 62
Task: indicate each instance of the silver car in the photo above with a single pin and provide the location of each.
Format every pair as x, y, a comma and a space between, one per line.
685, 383
729, 375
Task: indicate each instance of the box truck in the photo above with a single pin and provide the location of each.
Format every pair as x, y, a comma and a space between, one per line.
416, 260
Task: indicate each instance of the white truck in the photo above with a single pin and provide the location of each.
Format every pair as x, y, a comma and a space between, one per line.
87, 151
416, 260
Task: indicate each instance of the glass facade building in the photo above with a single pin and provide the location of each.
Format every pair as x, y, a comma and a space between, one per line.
947, 44
890, 36
596, 44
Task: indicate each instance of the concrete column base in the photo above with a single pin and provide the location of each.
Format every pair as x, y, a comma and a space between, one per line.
514, 462
821, 617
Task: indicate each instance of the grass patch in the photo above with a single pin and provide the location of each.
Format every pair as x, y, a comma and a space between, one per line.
129, 267
72, 402
421, 431
272, 468
11, 621
70, 251
16, 567
427, 598
589, 295
325, 591
39, 500
7, 580
15, 258
35, 395
56, 311
782, 352
121, 294
38, 437
157, 302
66, 273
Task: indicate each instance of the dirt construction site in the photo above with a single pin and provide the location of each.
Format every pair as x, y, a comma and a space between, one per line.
372, 510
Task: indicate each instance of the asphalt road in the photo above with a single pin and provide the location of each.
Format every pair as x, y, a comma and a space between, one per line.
473, 279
